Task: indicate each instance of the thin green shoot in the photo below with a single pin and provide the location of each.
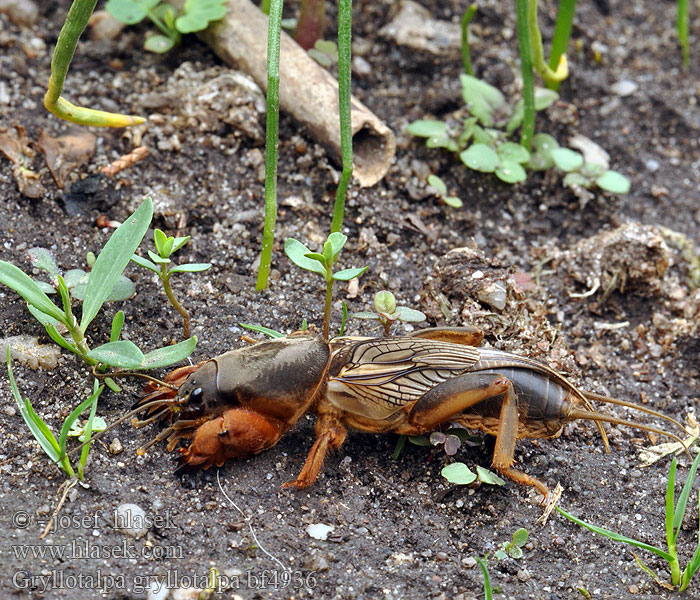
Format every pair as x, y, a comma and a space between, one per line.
76, 21
271, 137
674, 514
560, 40
524, 42
322, 263
261, 329
483, 565
166, 246
561, 70
466, 54
682, 23
344, 81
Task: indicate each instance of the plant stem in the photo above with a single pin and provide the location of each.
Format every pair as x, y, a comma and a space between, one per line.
344, 52
272, 129
528, 127
536, 51
488, 591
562, 33
327, 306
75, 24
165, 278
309, 27
466, 55
682, 28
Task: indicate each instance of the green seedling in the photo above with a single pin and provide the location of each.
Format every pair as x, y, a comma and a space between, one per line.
441, 190
76, 280
322, 263
458, 473
481, 137
387, 313
195, 16
63, 327
682, 24
587, 174
54, 448
512, 549
166, 246
466, 54
265, 330
76, 21
324, 52
80, 430
483, 565
674, 521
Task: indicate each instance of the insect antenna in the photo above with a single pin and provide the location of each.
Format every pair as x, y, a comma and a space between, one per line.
154, 404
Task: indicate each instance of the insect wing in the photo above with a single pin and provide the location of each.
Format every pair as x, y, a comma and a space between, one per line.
379, 376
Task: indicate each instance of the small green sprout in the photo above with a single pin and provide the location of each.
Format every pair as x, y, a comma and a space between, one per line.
324, 52
441, 190
166, 246
80, 431
387, 313
459, 474
195, 16
512, 549
674, 521
587, 174
482, 137
106, 271
322, 263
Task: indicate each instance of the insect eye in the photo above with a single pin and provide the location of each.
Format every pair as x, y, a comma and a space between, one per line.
196, 396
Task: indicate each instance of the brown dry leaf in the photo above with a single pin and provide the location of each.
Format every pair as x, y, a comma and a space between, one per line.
67, 152
14, 144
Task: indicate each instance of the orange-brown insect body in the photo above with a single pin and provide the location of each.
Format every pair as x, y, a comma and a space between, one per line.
241, 402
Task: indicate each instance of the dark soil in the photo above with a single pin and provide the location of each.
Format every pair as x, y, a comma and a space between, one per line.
400, 530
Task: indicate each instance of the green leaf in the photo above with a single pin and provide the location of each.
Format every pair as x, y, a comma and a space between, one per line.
384, 302
47, 288
419, 440
520, 537
77, 430
348, 274
168, 355
296, 251
75, 413
59, 339
319, 257
145, 263
510, 171
364, 315
129, 12
159, 240
179, 243
426, 128
190, 268
117, 324
616, 536
197, 14
266, 330
156, 258
613, 182
75, 277
541, 159
337, 241
26, 287
42, 258
683, 499
442, 141
344, 319
489, 478
438, 184
452, 201
123, 354
566, 159
482, 98
512, 151
159, 44
113, 259
576, 178
592, 170
480, 158
544, 98
409, 315
458, 473
517, 117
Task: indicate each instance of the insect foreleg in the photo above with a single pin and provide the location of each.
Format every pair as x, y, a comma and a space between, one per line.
330, 435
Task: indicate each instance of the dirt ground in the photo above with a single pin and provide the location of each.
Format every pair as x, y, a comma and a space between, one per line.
399, 529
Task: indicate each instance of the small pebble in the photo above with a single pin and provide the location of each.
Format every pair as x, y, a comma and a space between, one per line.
116, 446
469, 562
624, 87
131, 520
652, 165
319, 531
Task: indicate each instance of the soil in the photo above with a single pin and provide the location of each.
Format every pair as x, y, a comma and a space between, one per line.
400, 530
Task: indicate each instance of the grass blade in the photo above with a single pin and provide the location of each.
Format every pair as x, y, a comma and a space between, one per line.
683, 498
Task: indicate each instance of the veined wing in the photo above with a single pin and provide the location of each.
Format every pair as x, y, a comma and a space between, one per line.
375, 377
